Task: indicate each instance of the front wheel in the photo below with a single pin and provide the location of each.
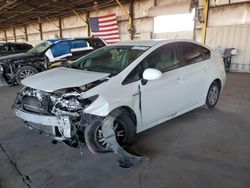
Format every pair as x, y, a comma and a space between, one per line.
125, 131
213, 95
24, 72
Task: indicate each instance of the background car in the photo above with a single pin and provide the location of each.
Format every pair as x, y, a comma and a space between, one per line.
13, 48
14, 68
139, 83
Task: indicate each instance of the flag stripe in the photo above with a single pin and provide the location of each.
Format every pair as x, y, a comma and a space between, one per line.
106, 33
108, 25
107, 37
108, 21
106, 28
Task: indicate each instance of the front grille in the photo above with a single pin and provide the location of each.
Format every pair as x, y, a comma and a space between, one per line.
42, 128
32, 104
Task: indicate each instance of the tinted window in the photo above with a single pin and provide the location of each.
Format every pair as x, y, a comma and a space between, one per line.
164, 59
79, 44
96, 43
193, 53
21, 47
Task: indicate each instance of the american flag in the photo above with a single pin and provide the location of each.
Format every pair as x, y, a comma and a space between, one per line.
105, 27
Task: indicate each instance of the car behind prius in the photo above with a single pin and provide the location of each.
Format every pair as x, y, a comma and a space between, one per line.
148, 82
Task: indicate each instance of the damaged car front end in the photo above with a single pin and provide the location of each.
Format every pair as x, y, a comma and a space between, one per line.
59, 115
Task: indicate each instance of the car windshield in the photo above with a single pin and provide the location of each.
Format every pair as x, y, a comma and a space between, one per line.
40, 48
109, 59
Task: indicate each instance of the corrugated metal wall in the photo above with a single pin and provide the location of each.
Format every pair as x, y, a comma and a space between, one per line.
237, 36
229, 27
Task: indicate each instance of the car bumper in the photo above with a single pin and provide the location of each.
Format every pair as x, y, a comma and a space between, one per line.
2, 81
58, 128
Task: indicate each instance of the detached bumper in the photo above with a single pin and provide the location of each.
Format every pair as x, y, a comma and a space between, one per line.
57, 127
2, 81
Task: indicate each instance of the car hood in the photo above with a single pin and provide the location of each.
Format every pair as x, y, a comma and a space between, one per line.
17, 56
61, 78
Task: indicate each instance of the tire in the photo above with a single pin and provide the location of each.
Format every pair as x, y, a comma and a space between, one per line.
213, 95
124, 124
25, 72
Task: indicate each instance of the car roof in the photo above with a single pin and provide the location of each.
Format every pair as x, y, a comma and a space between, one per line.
153, 42
139, 42
2, 43
67, 39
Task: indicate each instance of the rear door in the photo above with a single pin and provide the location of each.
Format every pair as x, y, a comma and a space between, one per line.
195, 59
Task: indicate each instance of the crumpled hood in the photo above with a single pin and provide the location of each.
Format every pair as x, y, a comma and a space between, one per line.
61, 78
17, 56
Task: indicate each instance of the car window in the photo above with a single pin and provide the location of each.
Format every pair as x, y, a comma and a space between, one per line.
21, 47
8, 48
79, 44
96, 43
40, 48
164, 59
60, 48
193, 53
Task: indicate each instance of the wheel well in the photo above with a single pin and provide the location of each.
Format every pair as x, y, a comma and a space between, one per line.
130, 112
218, 81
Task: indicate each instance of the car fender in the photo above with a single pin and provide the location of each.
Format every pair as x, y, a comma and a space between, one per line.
101, 106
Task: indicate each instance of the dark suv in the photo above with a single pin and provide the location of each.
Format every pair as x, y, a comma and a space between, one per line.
50, 53
13, 48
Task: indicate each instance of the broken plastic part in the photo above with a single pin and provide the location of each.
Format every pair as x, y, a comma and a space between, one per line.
2, 81
125, 159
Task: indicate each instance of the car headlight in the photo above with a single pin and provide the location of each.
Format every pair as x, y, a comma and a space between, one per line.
71, 104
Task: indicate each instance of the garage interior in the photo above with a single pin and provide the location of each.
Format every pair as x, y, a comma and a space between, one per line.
202, 148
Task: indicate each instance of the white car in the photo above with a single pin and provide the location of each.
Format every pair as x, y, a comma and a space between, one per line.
148, 82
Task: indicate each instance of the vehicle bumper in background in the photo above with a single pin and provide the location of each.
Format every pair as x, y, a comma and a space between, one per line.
57, 127
2, 81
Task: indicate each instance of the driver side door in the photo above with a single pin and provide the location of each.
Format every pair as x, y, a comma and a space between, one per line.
162, 99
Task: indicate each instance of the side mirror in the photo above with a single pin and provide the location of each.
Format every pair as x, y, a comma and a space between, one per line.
152, 74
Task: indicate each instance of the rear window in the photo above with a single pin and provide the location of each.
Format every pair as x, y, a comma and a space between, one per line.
193, 53
96, 43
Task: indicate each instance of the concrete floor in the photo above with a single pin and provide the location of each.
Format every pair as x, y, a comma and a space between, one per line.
203, 148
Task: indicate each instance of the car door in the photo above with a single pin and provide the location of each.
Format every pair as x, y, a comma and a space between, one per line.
162, 98
194, 74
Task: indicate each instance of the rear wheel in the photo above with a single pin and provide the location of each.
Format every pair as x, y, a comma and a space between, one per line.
125, 131
25, 72
213, 95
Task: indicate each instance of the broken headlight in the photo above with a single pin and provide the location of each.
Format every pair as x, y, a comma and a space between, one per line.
74, 103
71, 104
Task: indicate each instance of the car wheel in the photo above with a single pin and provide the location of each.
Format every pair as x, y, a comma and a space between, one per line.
213, 95
25, 72
125, 131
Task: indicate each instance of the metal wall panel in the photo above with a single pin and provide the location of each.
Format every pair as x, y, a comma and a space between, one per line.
236, 36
